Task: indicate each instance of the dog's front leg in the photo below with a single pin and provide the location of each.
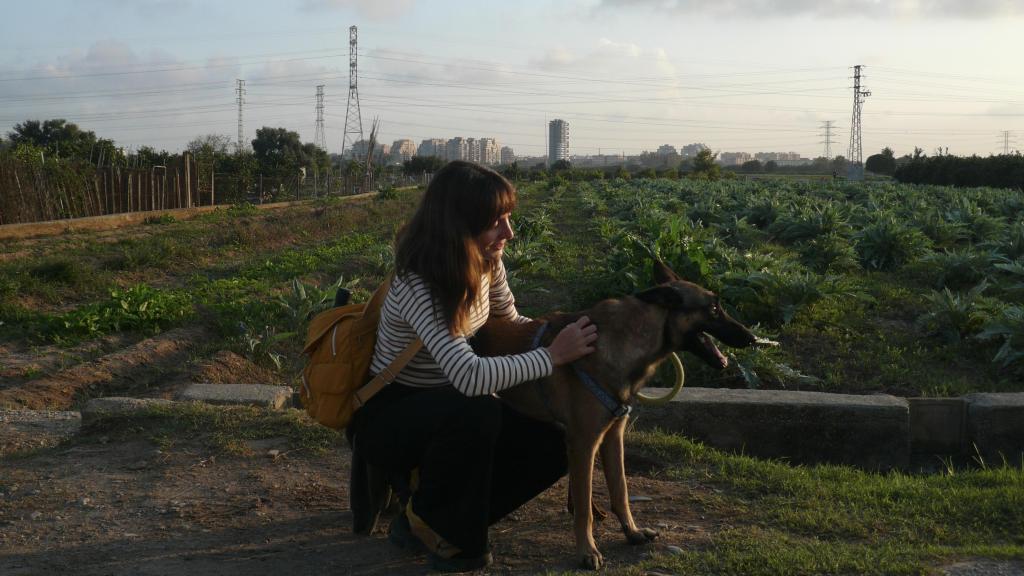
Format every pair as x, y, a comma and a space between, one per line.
612, 455
581, 476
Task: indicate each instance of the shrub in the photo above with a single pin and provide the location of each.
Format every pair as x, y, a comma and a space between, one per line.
775, 297
809, 224
953, 316
887, 244
1008, 326
829, 253
943, 233
958, 269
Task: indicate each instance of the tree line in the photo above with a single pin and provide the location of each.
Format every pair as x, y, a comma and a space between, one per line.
1002, 171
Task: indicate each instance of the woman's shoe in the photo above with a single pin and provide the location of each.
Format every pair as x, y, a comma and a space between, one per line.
460, 562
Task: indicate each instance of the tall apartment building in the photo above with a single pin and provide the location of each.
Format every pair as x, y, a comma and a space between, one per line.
473, 150
457, 149
734, 158
558, 141
776, 156
691, 150
402, 151
358, 149
507, 156
666, 150
488, 151
433, 147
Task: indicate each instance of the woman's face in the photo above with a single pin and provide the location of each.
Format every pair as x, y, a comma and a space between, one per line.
492, 240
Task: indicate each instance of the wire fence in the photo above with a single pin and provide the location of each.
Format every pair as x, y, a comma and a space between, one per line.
36, 192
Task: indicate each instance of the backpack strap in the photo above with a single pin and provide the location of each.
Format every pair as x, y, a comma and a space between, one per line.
387, 375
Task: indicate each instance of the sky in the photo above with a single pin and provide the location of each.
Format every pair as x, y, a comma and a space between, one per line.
627, 75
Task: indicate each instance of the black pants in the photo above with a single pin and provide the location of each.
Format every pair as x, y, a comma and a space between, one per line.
478, 458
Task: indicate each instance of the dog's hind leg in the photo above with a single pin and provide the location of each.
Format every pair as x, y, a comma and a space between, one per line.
612, 456
581, 476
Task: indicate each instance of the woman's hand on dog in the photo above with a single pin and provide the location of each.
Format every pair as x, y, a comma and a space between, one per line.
574, 342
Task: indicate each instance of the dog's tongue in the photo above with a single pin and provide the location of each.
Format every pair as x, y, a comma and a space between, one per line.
713, 350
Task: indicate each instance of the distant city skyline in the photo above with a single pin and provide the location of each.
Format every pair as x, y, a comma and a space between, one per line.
744, 76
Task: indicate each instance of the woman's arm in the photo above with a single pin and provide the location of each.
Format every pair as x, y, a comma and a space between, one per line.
470, 374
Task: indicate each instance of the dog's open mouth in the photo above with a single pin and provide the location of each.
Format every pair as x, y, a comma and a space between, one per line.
709, 352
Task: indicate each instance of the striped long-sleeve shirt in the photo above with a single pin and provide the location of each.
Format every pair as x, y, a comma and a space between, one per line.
410, 310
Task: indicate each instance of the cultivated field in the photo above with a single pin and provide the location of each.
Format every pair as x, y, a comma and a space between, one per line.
869, 288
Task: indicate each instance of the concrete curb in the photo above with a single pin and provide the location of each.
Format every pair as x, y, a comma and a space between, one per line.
870, 432
275, 397
875, 432
98, 408
995, 427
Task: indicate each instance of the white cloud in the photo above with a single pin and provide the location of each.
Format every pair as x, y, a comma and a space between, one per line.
373, 9
939, 9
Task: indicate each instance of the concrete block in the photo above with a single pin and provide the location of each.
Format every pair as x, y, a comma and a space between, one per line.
938, 425
118, 406
240, 394
995, 424
871, 432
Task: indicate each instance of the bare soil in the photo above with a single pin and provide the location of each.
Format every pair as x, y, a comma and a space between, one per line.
95, 506
129, 371
83, 503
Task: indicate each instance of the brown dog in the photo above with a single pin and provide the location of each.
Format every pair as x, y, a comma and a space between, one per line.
635, 334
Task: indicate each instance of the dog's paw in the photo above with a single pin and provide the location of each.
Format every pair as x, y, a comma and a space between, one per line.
592, 560
641, 536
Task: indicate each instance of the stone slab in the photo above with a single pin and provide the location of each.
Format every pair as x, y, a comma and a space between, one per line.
264, 395
995, 425
118, 406
870, 432
938, 425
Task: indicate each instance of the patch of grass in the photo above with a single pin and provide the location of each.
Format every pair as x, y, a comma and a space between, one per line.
158, 220
838, 520
223, 429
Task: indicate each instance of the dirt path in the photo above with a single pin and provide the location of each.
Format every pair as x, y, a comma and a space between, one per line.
130, 508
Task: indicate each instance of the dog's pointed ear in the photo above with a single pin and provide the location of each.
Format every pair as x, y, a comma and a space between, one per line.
664, 296
663, 274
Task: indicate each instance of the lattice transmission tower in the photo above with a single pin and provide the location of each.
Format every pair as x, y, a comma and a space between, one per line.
856, 155
1006, 136
827, 125
353, 117
319, 139
240, 91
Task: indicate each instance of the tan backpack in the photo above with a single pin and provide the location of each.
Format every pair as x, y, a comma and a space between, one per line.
339, 343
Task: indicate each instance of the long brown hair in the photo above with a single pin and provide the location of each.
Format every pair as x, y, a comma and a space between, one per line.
439, 243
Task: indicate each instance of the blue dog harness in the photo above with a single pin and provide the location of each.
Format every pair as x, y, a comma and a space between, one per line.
617, 408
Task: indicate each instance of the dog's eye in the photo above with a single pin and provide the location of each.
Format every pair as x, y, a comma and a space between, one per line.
715, 311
